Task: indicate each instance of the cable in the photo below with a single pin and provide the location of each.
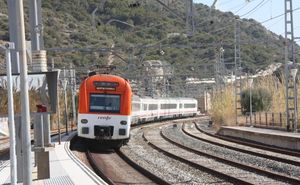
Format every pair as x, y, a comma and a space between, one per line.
258, 8
267, 20
245, 4
253, 9
270, 26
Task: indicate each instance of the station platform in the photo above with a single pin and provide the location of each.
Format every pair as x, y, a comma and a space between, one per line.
282, 139
65, 168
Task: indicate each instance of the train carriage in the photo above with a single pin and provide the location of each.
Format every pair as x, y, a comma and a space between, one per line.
105, 109
151, 109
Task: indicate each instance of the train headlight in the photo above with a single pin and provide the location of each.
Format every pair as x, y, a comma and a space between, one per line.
122, 132
85, 130
84, 121
123, 122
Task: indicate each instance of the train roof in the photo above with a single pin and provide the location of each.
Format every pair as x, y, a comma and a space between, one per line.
137, 98
89, 82
106, 77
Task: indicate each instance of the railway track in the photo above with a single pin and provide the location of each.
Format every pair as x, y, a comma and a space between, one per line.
249, 143
4, 142
231, 171
115, 168
194, 132
172, 170
120, 168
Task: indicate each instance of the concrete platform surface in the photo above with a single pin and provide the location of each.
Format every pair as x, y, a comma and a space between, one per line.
65, 168
283, 139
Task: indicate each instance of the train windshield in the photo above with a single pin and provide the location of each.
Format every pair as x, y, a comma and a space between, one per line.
105, 103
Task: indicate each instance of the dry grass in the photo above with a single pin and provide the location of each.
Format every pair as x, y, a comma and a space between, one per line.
223, 107
34, 99
223, 102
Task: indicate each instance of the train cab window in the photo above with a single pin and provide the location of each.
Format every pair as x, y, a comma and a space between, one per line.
105, 103
153, 106
145, 106
189, 105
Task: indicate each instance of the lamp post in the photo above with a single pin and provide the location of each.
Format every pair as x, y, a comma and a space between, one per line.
250, 81
294, 74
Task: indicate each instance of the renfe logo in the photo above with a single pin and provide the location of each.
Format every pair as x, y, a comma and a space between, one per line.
104, 117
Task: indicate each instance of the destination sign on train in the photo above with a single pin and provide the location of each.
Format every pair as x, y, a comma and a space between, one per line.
106, 85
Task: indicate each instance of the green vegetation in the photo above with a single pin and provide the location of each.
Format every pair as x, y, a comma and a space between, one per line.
261, 100
69, 23
268, 96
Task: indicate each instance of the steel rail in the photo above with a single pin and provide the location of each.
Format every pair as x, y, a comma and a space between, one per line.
98, 169
272, 175
288, 161
145, 172
197, 166
255, 145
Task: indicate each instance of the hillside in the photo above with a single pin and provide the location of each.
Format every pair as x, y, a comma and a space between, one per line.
139, 30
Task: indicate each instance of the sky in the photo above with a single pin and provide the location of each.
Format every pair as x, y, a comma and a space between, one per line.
261, 10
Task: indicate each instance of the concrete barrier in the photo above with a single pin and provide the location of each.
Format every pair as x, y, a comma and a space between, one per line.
276, 138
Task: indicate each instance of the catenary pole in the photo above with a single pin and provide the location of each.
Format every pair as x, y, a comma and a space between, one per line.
11, 121
14, 35
26, 140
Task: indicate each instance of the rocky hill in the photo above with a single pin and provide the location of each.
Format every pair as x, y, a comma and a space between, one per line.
130, 31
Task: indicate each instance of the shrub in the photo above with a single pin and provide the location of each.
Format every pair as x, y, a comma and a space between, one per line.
261, 100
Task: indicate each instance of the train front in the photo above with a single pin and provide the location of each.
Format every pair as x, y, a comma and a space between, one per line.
105, 109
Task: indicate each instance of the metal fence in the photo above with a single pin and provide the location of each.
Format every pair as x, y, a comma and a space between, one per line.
266, 119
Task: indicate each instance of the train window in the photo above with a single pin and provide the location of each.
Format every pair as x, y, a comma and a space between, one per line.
105, 103
136, 107
189, 105
144, 106
180, 105
153, 106
168, 106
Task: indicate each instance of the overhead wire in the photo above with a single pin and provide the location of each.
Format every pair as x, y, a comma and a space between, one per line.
253, 9
244, 5
262, 22
267, 20
258, 8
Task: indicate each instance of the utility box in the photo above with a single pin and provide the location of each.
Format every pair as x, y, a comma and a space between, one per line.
42, 141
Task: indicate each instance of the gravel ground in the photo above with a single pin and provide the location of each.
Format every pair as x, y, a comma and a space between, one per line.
192, 130
163, 166
178, 135
154, 137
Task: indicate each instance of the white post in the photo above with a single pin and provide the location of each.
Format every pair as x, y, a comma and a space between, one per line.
11, 121
250, 84
294, 75
73, 95
26, 140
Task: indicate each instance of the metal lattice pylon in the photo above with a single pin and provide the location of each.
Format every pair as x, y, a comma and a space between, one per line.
290, 68
237, 70
190, 26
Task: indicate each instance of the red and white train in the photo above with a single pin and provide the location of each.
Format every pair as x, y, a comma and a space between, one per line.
106, 109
